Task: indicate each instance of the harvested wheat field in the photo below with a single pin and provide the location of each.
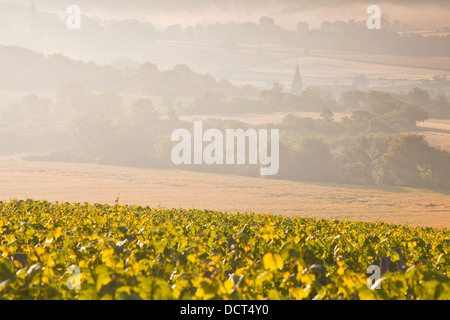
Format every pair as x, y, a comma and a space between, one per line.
437, 132
66, 182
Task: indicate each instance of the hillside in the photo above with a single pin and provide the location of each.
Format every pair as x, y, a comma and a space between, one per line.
179, 189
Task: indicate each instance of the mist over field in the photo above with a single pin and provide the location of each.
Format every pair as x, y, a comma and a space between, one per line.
224, 150
156, 30
428, 14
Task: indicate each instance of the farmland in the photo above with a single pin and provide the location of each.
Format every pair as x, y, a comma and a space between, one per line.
437, 132
129, 252
180, 189
277, 150
262, 66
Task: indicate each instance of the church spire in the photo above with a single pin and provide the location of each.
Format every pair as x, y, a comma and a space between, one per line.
297, 83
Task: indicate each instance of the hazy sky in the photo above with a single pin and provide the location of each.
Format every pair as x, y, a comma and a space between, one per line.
161, 13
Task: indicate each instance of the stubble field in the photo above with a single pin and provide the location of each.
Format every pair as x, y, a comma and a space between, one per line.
66, 182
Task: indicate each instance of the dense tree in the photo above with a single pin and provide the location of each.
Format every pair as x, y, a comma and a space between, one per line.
361, 161
419, 96
412, 114
312, 160
382, 102
353, 100
266, 22
302, 28
327, 116
410, 161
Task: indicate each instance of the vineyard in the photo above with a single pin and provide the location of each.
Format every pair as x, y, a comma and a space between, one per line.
131, 252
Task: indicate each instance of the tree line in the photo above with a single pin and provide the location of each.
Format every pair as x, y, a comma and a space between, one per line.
366, 147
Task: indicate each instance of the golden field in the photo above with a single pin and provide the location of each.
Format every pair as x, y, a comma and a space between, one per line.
66, 182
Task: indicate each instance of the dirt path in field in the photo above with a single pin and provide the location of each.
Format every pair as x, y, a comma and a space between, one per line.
179, 189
